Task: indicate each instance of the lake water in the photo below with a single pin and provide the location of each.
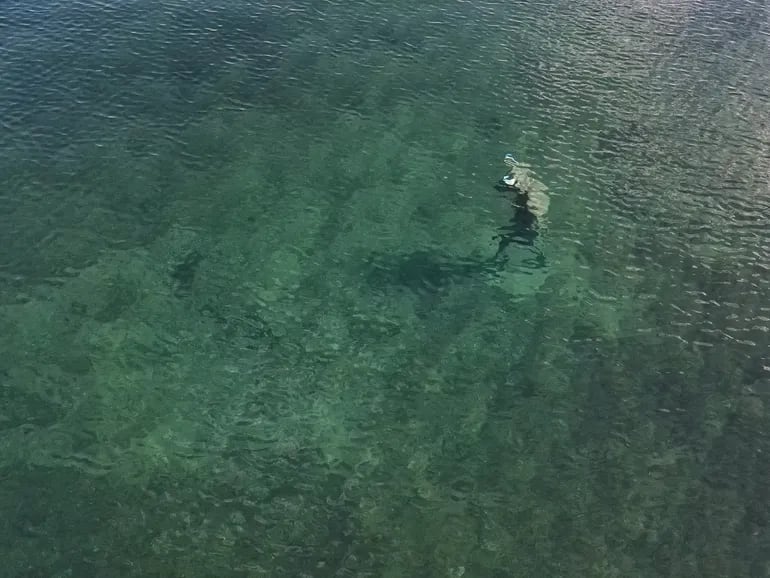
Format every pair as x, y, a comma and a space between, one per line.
254, 320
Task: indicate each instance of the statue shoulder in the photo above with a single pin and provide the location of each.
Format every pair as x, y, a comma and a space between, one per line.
538, 203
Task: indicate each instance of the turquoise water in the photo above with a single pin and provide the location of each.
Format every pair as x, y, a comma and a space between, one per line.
253, 323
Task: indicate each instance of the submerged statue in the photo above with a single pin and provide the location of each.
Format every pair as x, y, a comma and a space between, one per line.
530, 203
521, 180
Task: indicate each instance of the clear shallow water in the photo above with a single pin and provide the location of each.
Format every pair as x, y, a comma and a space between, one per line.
250, 325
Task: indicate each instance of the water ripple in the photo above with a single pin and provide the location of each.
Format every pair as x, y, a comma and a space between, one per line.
249, 280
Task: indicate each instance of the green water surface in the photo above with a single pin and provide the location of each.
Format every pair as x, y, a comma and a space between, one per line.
251, 322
